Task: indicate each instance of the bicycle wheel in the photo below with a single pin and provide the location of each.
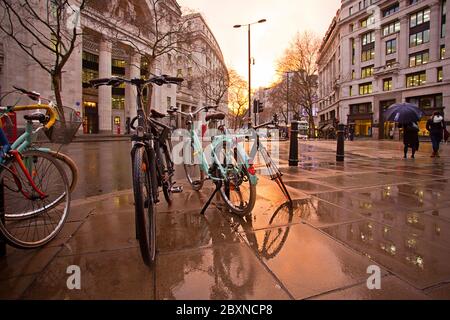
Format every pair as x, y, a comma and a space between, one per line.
237, 190
29, 220
194, 174
70, 168
144, 205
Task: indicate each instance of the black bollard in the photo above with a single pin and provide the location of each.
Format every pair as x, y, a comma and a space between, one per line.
293, 151
340, 153
2, 242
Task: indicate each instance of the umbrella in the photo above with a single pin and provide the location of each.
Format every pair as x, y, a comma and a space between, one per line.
403, 113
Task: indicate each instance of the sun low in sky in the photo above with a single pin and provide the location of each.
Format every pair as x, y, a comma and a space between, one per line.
269, 40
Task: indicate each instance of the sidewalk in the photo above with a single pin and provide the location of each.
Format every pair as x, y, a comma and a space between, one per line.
368, 211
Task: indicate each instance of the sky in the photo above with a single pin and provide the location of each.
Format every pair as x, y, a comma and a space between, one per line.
269, 40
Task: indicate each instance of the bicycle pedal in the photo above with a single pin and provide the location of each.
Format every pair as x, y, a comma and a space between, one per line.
176, 190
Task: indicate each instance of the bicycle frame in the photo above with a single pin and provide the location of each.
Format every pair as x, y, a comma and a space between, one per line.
228, 140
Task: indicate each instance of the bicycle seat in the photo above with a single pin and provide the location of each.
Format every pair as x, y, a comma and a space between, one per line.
157, 115
36, 117
218, 116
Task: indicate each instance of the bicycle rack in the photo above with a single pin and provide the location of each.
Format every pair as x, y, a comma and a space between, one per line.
2, 242
208, 203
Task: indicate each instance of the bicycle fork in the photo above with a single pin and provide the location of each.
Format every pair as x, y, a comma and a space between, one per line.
22, 166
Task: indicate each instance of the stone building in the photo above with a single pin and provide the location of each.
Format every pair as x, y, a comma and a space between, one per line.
377, 53
111, 46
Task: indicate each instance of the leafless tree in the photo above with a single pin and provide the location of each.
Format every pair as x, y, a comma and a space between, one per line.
300, 60
162, 32
213, 84
46, 31
237, 99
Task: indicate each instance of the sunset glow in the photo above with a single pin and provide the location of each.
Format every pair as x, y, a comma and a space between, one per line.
269, 40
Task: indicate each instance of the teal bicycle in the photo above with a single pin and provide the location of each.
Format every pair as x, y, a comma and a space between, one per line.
226, 165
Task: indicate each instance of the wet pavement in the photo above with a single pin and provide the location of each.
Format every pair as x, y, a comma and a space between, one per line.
374, 209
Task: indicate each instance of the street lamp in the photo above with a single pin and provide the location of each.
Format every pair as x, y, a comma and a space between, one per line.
249, 62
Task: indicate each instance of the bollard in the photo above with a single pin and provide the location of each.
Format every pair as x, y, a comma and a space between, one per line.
340, 153
2, 242
293, 151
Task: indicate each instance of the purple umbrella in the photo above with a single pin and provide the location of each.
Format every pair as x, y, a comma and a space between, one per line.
403, 113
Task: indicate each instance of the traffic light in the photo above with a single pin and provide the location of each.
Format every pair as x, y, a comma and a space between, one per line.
255, 106
260, 107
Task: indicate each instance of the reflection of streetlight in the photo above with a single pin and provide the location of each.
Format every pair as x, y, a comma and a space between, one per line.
249, 63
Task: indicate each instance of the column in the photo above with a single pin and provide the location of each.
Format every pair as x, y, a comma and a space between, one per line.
133, 71
435, 31
104, 92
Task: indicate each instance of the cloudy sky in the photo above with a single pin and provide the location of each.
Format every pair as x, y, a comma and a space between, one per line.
284, 19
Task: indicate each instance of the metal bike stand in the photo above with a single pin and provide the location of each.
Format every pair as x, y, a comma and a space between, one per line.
2, 209
208, 203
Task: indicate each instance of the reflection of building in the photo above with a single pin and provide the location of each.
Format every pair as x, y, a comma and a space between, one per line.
374, 56
104, 50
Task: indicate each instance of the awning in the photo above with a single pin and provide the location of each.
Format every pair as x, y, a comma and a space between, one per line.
327, 127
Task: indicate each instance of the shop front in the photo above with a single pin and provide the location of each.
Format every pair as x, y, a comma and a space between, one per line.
428, 104
387, 129
90, 117
361, 120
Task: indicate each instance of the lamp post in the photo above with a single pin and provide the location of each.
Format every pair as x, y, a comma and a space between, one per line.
249, 63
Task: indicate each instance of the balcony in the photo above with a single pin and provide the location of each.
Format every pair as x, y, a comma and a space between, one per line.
385, 70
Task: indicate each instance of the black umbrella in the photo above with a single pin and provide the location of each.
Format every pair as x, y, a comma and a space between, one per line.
403, 113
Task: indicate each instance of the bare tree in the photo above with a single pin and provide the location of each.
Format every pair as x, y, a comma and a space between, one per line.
46, 31
164, 31
213, 84
300, 59
237, 99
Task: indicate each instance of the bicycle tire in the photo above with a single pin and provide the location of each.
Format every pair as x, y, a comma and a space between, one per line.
73, 178
45, 207
196, 184
145, 208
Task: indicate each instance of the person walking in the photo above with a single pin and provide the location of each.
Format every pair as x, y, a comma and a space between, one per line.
436, 127
410, 138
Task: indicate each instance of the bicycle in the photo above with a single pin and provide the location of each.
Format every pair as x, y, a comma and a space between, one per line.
230, 171
144, 157
35, 192
59, 136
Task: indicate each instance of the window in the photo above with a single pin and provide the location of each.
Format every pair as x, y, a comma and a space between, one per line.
353, 75
391, 10
353, 51
391, 63
118, 102
367, 72
368, 38
418, 59
387, 84
391, 46
416, 79
350, 11
442, 53
391, 28
179, 73
365, 88
362, 108
443, 17
419, 38
367, 21
351, 91
411, 2
368, 55
419, 18
169, 102
440, 76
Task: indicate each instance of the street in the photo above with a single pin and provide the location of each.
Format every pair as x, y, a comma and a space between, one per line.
376, 209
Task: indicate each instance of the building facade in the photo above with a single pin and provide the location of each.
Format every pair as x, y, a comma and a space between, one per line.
377, 53
110, 46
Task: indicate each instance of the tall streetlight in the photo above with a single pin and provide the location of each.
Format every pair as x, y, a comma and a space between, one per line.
249, 63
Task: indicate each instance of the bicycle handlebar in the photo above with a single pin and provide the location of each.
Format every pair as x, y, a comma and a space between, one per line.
192, 114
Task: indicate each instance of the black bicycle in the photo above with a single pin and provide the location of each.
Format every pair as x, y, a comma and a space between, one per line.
152, 166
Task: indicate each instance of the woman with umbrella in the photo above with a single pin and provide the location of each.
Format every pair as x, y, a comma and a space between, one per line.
436, 127
407, 115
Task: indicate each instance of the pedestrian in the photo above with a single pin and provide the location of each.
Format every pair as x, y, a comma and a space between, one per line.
410, 138
436, 127
352, 133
